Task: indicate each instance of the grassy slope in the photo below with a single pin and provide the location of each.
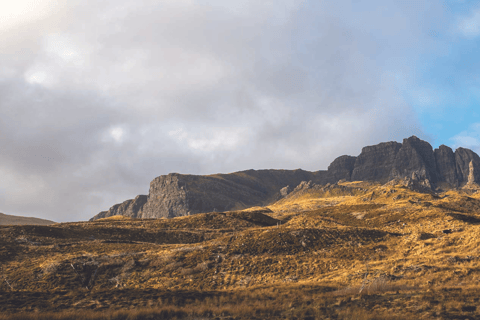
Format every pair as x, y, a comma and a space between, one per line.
351, 251
6, 219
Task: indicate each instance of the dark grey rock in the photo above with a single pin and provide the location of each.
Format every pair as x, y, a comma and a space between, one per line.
167, 197
376, 163
130, 208
463, 157
341, 168
414, 162
446, 165
417, 156
176, 194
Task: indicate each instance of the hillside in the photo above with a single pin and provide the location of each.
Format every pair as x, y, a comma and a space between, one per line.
6, 219
351, 250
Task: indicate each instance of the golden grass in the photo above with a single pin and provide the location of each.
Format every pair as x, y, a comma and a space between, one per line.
355, 250
114, 218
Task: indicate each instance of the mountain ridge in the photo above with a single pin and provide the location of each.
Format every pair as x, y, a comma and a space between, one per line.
414, 161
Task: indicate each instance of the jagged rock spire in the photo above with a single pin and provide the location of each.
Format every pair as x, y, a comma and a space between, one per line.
471, 173
392, 160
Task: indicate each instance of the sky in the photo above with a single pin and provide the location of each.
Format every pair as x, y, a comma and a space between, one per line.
99, 97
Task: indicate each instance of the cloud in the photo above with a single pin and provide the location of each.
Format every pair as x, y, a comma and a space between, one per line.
24, 11
469, 138
427, 98
470, 26
99, 97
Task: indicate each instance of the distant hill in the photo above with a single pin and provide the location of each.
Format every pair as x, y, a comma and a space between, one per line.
6, 219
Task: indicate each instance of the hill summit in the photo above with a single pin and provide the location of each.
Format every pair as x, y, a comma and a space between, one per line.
414, 162
7, 219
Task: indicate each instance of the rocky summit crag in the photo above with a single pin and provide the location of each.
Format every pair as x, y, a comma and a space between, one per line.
176, 194
413, 161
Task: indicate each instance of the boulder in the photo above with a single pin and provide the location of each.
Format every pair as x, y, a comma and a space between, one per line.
285, 191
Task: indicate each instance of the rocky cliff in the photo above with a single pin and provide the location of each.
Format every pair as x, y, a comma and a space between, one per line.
463, 157
446, 165
341, 168
413, 159
176, 194
132, 208
375, 163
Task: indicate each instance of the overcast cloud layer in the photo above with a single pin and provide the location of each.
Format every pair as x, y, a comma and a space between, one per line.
99, 97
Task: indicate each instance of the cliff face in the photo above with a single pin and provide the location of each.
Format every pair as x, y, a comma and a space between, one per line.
341, 168
416, 156
176, 194
130, 208
167, 195
376, 162
446, 165
463, 157
412, 159
179, 195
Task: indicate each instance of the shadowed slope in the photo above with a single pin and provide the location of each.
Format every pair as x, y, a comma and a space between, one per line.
6, 219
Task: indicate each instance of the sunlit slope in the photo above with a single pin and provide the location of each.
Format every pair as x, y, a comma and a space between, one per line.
432, 232
354, 238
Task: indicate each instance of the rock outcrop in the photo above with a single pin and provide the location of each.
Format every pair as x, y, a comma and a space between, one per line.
417, 184
415, 156
341, 168
471, 184
446, 165
285, 191
130, 208
471, 174
463, 157
375, 163
413, 161
176, 194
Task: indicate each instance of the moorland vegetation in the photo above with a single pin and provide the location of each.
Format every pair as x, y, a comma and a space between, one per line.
348, 250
